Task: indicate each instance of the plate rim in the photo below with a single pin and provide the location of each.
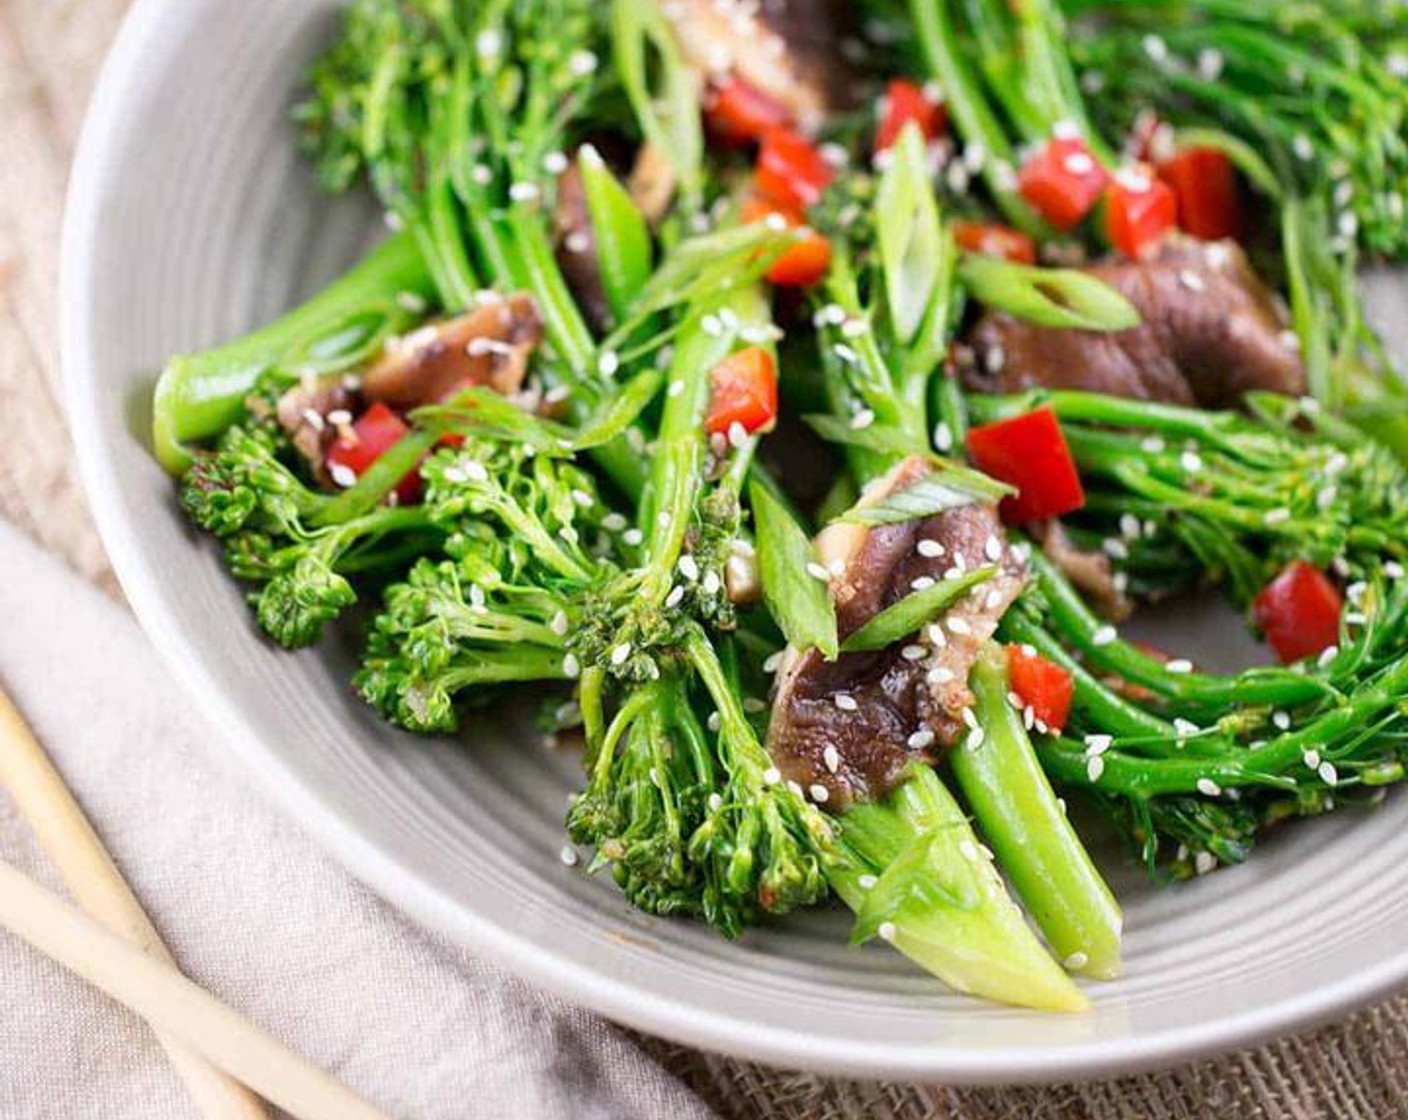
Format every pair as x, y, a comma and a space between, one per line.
413, 895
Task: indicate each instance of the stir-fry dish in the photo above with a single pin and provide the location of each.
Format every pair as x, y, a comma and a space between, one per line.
801, 396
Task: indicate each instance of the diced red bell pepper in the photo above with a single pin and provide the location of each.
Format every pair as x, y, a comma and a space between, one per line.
790, 169
905, 102
376, 430
806, 261
1030, 453
1299, 612
1063, 181
1140, 211
745, 392
1042, 685
738, 113
1208, 195
995, 241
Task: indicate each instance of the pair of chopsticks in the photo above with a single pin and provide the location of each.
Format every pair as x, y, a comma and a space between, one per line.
223, 1059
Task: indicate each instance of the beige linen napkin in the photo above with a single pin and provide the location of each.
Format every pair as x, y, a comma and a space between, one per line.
256, 913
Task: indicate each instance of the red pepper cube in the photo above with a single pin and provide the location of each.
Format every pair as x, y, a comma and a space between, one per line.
1140, 211
1209, 198
738, 113
1063, 181
744, 392
373, 433
1029, 452
1042, 685
805, 262
995, 241
1299, 612
904, 102
790, 169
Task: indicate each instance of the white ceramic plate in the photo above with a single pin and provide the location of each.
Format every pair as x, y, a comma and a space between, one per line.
191, 219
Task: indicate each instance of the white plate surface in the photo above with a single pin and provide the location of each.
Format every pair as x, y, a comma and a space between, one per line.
190, 220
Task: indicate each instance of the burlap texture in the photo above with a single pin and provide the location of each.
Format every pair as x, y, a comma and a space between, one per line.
49, 54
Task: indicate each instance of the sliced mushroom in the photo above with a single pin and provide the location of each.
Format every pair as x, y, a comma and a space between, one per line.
1091, 572
1211, 333
489, 345
850, 726
312, 414
576, 248
787, 49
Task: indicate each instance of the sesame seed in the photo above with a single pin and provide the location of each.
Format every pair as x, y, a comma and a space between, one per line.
633, 537
737, 434
689, 567
558, 625
1103, 636
1029, 717
968, 850
1179, 665
1281, 721
523, 192
1328, 774
930, 549
920, 739
342, 474
716, 802
959, 626
845, 353
621, 653
993, 600
940, 674
817, 571
914, 653
887, 931
937, 638
832, 759
1079, 163
1186, 728
970, 719
867, 882
1094, 767
1190, 461
1155, 48
772, 775
675, 597
1311, 758
1191, 280
714, 722
795, 788
1277, 516
1208, 788
1304, 147
921, 583
845, 702
488, 43
1328, 654
1210, 64
568, 855
1393, 569
943, 436
992, 548
862, 419
1114, 547
1076, 960
995, 359
1204, 862
712, 325
1152, 444
710, 582
820, 794
571, 667
1098, 744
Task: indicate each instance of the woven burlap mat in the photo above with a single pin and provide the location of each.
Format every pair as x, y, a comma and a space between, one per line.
49, 54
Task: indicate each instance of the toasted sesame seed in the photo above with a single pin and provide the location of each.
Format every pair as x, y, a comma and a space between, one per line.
930, 549
862, 419
571, 667
1208, 788
675, 597
914, 653
689, 567
568, 855
1094, 767
846, 702
633, 537
831, 757
819, 793
1311, 758
1098, 744
621, 654
1179, 665
1204, 862
818, 571
737, 435
1186, 728
867, 882
1152, 444
716, 802
1328, 654
887, 931
772, 775
922, 583
943, 436
1076, 960
992, 548
1191, 462
1103, 636
1328, 774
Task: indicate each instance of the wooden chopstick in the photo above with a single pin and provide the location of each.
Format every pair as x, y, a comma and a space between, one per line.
174, 1004
76, 852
